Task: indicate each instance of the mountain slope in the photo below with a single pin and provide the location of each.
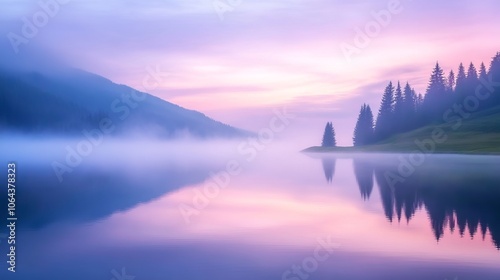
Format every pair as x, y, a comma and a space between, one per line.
67, 102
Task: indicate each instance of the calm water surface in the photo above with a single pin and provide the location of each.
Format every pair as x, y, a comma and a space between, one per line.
284, 216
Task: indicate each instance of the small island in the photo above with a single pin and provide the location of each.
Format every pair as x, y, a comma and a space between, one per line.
457, 115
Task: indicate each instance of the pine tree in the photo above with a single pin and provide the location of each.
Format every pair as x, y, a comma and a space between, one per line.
329, 136
398, 101
368, 125
436, 85
461, 77
494, 77
357, 139
383, 127
334, 137
461, 84
450, 85
450, 88
363, 132
420, 117
409, 107
495, 67
472, 73
419, 102
471, 82
409, 98
483, 74
398, 109
435, 97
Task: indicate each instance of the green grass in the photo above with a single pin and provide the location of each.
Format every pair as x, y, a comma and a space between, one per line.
478, 134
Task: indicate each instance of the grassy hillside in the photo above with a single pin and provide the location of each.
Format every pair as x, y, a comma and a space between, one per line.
477, 134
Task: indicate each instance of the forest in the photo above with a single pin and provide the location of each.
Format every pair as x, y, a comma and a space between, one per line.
448, 99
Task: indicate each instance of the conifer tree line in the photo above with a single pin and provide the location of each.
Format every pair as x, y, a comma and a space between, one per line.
402, 110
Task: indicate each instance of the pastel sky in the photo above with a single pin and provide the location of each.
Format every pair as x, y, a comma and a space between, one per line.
264, 54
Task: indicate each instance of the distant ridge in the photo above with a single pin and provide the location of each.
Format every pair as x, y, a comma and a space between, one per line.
70, 101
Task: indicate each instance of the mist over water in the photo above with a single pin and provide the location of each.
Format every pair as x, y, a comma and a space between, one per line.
237, 210
144, 140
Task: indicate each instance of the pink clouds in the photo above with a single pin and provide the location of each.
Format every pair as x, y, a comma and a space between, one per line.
268, 53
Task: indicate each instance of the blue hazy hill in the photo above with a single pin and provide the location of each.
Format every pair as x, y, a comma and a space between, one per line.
63, 100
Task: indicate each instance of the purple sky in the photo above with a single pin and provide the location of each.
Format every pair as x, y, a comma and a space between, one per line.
265, 54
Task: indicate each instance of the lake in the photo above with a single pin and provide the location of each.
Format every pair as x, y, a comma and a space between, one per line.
279, 215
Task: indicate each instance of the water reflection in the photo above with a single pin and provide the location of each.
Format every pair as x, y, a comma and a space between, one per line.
109, 216
363, 170
329, 167
92, 193
454, 193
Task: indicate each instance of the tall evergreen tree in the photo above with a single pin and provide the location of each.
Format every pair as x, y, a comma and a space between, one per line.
471, 81
436, 85
329, 136
450, 83
334, 137
363, 132
495, 67
494, 76
368, 125
398, 101
383, 127
419, 102
461, 83
472, 72
409, 107
435, 97
409, 98
398, 109
483, 74
357, 139
450, 88
461, 76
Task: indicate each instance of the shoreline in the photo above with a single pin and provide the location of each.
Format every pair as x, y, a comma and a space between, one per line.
383, 149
